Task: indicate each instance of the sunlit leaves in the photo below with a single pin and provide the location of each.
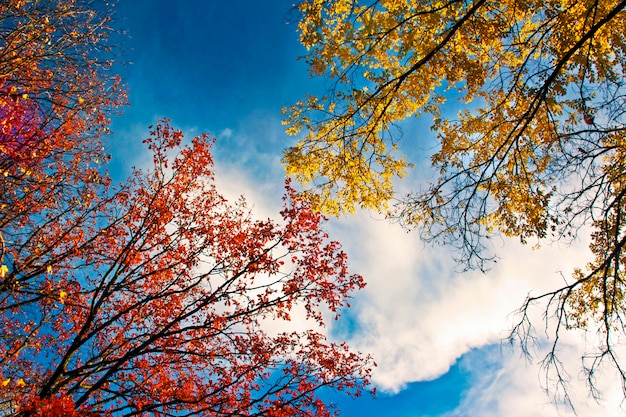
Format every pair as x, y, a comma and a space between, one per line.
534, 74
536, 152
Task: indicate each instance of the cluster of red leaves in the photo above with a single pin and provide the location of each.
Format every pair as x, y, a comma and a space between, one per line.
55, 407
167, 317
55, 95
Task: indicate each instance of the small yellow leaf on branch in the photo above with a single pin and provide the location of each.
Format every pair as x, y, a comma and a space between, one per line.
4, 270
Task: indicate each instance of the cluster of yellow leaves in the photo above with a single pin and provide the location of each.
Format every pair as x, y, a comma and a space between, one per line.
18, 384
529, 69
538, 150
356, 172
599, 294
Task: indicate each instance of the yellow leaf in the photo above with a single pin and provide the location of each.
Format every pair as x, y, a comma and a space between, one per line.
49, 269
3, 271
5, 382
62, 296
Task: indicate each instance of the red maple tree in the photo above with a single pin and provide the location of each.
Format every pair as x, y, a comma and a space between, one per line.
149, 297
158, 306
56, 96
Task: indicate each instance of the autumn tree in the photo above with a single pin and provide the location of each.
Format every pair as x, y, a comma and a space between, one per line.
56, 95
537, 152
154, 296
165, 308
57, 53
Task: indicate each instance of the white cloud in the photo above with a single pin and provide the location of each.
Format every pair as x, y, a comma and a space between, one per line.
264, 198
237, 176
508, 385
226, 133
417, 315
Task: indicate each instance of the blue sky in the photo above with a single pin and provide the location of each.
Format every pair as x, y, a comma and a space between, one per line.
227, 68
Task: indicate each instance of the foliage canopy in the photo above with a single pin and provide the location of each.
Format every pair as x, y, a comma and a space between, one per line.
538, 151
